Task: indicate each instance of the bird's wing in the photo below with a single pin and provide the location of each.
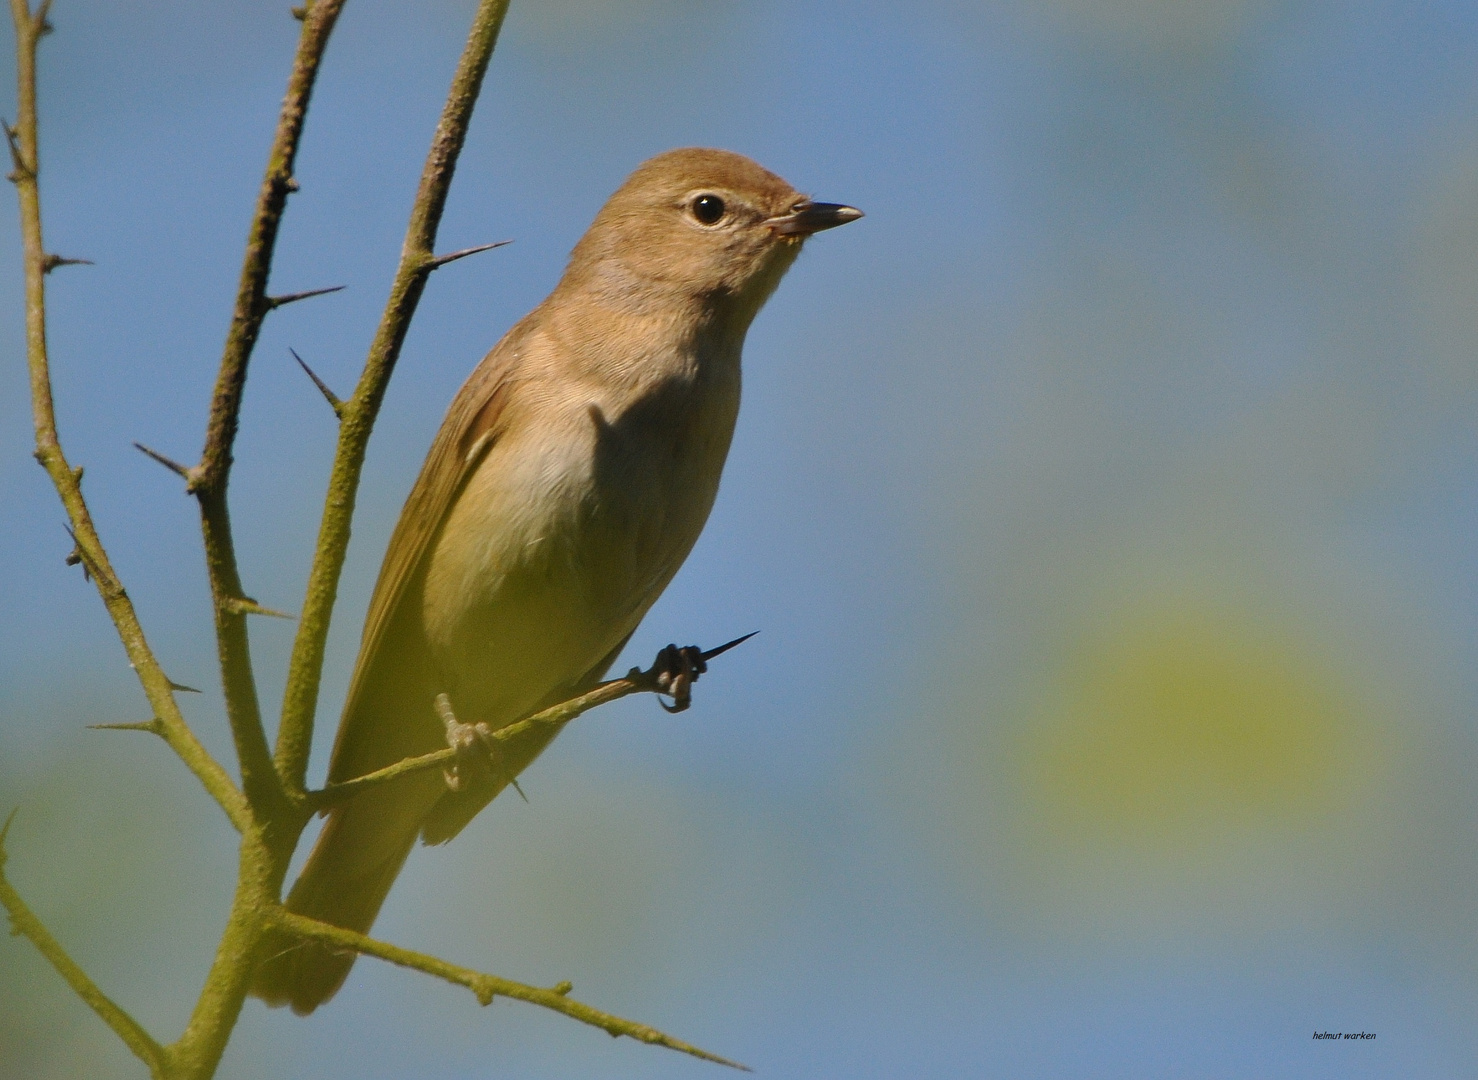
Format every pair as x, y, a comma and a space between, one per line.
473, 423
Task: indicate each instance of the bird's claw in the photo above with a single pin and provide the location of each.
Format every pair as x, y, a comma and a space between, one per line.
473, 744
675, 671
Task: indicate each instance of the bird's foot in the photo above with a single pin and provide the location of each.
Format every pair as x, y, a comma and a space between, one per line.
674, 672
472, 742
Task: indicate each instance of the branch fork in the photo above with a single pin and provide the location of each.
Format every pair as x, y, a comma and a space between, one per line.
271, 805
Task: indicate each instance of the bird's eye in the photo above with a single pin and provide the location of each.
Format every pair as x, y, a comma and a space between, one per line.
708, 209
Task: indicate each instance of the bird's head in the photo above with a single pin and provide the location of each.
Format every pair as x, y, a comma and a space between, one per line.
699, 224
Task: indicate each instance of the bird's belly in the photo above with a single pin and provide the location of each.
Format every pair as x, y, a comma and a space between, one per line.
549, 559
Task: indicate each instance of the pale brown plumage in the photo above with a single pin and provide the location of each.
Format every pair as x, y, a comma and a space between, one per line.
569, 479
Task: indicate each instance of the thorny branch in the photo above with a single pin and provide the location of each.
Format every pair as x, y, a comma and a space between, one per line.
209, 479
487, 987
658, 679
357, 414
271, 807
22, 136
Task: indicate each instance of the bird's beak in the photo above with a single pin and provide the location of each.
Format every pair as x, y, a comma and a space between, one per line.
811, 217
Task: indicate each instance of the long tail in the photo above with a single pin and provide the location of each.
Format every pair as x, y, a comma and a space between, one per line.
366, 841
347, 877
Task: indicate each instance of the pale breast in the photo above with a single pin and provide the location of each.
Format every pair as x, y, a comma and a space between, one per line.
565, 535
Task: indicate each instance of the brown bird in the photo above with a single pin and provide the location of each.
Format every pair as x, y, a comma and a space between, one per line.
569, 480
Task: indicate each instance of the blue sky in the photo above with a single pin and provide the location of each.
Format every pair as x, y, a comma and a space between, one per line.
1106, 499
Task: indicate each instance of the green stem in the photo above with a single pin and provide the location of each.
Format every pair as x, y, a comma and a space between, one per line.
300, 701
487, 987
209, 480
260, 868
67, 479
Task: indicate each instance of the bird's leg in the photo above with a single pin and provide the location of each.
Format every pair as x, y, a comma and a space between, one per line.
674, 672
472, 742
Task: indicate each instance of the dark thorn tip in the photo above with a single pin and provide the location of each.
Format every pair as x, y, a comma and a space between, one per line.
436, 262
151, 726
169, 463
51, 262
274, 302
726, 646
335, 402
